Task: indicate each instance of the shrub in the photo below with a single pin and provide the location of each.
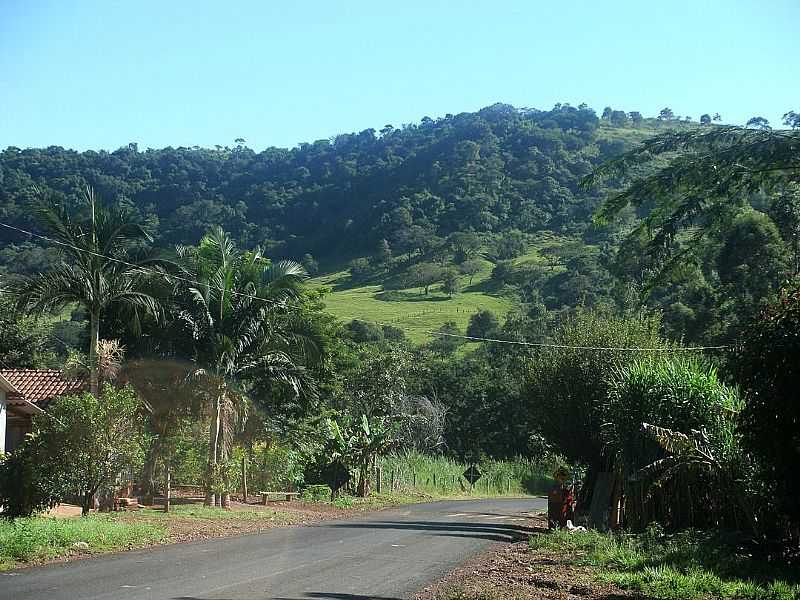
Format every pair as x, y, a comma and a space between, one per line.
671, 424
317, 493
768, 364
80, 446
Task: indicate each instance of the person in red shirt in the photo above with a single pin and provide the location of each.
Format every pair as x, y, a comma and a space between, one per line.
560, 500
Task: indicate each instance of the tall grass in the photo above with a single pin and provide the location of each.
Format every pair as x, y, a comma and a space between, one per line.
683, 566
40, 538
439, 475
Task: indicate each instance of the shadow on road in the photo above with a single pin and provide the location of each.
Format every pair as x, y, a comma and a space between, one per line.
493, 532
306, 596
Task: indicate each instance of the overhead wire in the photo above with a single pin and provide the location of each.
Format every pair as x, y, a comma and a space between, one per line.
395, 325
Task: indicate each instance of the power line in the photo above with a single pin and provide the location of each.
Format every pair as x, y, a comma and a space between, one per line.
429, 332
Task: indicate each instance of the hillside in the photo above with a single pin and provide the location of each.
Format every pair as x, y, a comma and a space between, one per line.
373, 214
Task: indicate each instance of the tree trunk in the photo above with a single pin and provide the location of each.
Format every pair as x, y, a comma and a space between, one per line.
213, 451
94, 337
86, 505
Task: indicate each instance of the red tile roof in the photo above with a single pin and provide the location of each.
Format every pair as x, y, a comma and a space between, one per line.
40, 386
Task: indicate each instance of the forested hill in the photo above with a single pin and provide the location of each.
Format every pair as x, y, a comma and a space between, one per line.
482, 210
497, 169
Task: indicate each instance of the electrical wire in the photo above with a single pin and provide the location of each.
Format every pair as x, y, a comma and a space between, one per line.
433, 333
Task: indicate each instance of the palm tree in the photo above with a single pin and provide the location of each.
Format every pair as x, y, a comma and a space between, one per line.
102, 267
244, 336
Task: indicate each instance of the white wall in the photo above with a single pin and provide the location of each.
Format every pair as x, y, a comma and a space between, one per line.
3, 413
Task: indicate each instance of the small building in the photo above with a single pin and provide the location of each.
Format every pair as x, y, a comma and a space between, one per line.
26, 392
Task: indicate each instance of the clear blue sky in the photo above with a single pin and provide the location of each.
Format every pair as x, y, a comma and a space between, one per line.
102, 73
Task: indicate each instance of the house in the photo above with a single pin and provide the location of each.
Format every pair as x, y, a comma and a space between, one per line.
26, 392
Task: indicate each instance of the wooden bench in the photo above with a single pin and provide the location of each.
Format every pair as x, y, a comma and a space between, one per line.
287, 495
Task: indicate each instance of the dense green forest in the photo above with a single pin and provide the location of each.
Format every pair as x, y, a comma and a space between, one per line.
488, 205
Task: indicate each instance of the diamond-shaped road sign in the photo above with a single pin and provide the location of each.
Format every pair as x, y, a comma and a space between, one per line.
472, 474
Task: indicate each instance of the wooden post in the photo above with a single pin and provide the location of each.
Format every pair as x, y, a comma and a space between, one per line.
167, 487
244, 477
414, 480
392, 479
378, 479
434, 479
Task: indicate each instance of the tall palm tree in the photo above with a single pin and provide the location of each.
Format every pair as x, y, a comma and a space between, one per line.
244, 336
102, 267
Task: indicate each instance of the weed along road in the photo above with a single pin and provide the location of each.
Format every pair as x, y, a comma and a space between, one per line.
386, 554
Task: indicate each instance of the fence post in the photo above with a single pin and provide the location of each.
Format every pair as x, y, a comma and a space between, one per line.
414, 480
378, 479
434, 479
392, 479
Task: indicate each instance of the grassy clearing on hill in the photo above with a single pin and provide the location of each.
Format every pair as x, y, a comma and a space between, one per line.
410, 309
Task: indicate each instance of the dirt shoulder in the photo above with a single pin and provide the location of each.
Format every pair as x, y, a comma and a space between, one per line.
515, 571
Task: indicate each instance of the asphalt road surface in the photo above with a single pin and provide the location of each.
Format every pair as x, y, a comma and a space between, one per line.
384, 555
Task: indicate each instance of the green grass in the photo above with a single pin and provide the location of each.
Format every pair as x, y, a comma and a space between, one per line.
683, 566
410, 309
442, 476
38, 538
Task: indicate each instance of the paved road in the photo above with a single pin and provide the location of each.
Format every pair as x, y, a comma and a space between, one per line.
385, 555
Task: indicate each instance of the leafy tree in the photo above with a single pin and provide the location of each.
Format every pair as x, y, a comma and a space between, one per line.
465, 245
752, 260
636, 118
364, 331
566, 386
310, 264
758, 123
705, 119
483, 324
666, 114
102, 267
716, 117
785, 212
450, 282
79, 446
360, 268
509, 245
425, 275
791, 119
168, 403
618, 118
709, 172
607, 112
471, 267
23, 340
767, 368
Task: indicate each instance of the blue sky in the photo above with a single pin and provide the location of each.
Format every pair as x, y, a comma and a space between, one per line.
102, 73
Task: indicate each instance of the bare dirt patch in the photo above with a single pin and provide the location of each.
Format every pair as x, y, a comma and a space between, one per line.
515, 571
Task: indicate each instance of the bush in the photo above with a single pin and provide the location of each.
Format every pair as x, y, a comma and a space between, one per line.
80, 446
683, 468
768, 366
317, 493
